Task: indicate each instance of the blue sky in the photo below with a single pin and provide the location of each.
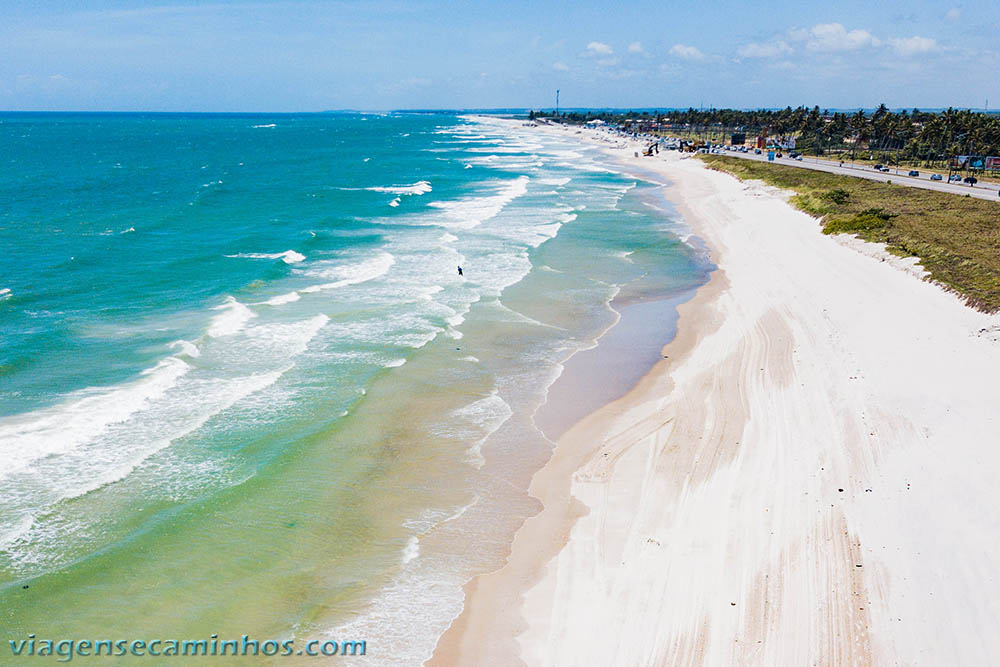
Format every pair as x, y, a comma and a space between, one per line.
387, 54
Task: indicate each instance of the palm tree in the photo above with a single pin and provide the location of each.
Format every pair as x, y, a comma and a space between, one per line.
858, 123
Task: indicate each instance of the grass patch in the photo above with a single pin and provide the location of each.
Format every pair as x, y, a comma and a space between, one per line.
956, 238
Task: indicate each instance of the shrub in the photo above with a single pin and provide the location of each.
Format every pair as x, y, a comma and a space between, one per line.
867, 221
838, 196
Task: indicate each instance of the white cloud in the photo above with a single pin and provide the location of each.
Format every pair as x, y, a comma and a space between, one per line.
835, 37
686, 52
767, 50
635, 47
798, 34
599, 49
560, 67
953, 14
908, 46
608, 62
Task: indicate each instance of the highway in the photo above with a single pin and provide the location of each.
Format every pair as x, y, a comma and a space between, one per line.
980, 190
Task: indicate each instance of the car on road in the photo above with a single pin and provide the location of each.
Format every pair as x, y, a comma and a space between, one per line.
877, 167
756, 151
955, 178
937, 177
799, 158
913, 172
971, 180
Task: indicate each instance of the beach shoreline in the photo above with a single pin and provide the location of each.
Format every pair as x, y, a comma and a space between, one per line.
665, 530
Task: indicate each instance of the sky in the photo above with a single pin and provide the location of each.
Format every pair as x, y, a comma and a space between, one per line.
272, 55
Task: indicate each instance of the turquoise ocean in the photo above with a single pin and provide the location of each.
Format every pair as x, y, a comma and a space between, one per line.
244, 389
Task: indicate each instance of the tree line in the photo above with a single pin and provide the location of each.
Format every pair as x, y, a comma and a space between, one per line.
911, 136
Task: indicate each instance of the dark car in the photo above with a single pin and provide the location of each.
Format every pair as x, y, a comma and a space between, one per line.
971, 180
914, 172
877, 167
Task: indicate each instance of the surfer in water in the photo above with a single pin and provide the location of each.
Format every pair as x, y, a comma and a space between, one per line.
460, 271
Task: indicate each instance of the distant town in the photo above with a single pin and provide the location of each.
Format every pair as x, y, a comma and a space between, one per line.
950, 140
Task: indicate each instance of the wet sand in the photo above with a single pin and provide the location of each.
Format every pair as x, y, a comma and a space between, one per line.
807, 478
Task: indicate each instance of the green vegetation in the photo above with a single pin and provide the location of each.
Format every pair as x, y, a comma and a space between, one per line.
911, 139
956, 238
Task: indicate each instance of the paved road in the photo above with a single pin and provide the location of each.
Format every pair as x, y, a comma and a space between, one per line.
980, 190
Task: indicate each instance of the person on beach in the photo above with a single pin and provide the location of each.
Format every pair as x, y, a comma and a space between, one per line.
460, 271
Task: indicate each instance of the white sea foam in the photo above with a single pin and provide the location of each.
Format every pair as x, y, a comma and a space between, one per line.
98, 436
232, 318
477, 421
395, 363
555, 181
409, 614
511, 315
186, 347
418, 188
539, 234
82, 417
128, 231
288, 257
282, 299
351, 274
5, 293
411, 550
593, 167
15, 530
503, 149
262, 126
473, 211
126, 445
427, 292
624, 254
276, 340
395, 202
448, 237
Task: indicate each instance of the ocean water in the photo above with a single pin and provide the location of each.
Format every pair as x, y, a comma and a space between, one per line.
243, 388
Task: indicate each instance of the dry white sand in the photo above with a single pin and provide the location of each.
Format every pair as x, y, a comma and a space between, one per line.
811, 477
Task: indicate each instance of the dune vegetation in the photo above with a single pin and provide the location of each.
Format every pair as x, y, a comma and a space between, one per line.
956, 238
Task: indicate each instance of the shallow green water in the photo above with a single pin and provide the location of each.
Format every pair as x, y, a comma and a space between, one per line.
243, 389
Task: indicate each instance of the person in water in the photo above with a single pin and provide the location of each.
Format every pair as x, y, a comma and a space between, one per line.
460, 271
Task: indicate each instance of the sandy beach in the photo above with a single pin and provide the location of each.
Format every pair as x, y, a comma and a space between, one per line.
807, 477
